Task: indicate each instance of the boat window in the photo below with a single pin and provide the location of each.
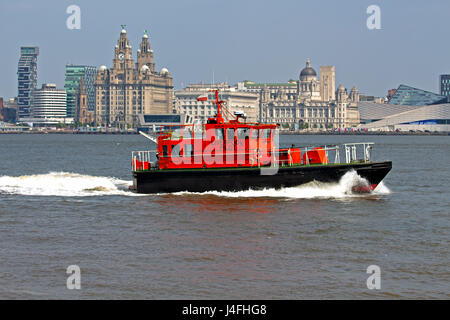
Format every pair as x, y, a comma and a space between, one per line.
254, 133
261, 134
189, 150
219, 134
230, 134
242, 133
267, 133
187, 132
165, 151
198, 132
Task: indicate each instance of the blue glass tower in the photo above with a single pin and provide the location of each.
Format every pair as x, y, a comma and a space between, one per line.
27, 79
72, 81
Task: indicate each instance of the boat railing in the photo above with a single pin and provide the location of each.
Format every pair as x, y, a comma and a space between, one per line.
359, 152
353, 150
142, 160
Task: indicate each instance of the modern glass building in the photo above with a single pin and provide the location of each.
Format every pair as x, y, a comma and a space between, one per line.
409, 96
72, 81
444, 83
27, 79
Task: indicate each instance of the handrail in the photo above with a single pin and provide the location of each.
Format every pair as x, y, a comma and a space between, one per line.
351, 155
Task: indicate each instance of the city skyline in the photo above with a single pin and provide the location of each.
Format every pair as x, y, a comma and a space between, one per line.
197, 46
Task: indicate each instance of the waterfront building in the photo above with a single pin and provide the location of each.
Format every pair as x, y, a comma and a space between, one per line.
27, 78
308, 103
82, 113
127, 89
389, 117
236, 100
72, 80
406, 95
48, 102
8, 110
444, 84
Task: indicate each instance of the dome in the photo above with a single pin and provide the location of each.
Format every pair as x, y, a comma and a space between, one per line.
164, 71
308, 71
144, 68
102, 68
145, 36
123, 31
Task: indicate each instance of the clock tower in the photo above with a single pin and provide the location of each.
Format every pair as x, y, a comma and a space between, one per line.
122, 53
128, 90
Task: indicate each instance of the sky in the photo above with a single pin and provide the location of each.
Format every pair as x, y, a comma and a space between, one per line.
235, 40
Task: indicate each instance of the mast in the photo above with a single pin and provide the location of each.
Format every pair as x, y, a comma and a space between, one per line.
219, 106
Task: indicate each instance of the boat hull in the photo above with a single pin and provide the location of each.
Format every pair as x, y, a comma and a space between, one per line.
238, 179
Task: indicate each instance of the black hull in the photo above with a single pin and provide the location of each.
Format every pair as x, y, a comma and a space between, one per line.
238, 179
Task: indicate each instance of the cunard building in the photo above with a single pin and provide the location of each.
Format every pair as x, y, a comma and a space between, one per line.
130, 89
311, 102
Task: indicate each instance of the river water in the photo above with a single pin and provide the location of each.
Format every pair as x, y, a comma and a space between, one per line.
64, 201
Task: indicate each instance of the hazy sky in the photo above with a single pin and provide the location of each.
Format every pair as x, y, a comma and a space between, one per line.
259, 40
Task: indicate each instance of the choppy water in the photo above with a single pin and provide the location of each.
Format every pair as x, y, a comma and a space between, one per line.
64, 200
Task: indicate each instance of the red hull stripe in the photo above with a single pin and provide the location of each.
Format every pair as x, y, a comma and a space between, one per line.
364, 189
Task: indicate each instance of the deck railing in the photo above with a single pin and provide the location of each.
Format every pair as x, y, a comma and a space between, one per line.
354, 152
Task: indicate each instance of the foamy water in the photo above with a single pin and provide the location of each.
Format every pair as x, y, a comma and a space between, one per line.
68, 184
306, 191
64, 184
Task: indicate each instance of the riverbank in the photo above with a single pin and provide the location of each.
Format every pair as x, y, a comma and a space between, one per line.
327, 133
368, 133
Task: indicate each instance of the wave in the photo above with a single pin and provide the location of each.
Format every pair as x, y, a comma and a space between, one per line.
68, 184
311, 190
64, 184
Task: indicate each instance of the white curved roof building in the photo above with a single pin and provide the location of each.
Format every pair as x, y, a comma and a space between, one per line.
385, 117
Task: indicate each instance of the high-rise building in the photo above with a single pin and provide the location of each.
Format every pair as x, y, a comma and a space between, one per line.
444, 83
27, 78
73, 75
48, 102
128, 90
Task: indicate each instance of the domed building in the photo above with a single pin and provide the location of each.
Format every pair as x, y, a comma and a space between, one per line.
130, 89
309, 103
308, 86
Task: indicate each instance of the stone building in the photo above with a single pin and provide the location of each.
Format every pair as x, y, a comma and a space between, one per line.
307, 103
186, 101
129, 89
82, 113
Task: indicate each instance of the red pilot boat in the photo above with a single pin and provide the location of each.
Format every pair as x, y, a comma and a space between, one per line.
229, 154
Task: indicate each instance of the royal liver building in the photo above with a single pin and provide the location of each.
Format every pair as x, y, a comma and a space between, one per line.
307, 103
128, 89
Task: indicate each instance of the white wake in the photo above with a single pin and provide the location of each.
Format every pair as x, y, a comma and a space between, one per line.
64, 184
310, 190
68, 184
